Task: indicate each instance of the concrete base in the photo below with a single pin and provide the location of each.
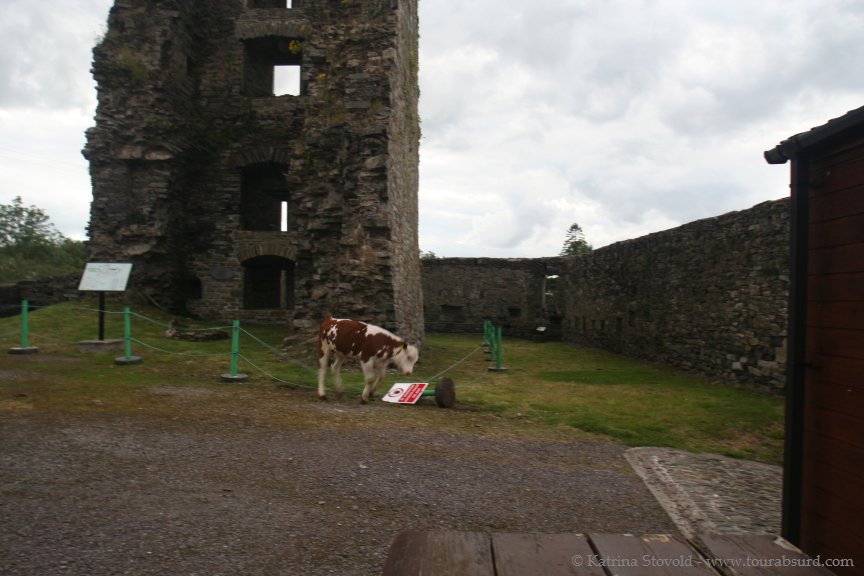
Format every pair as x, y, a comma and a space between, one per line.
27, 350
101, 346
123, 361
502, 369
228, 378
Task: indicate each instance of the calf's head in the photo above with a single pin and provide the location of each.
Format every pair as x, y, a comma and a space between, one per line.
405, 358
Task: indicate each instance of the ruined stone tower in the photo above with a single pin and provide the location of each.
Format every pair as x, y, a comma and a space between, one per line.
235, 201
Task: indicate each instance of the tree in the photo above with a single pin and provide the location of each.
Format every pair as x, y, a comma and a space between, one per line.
574, 242
430, 255
26, 229
31, 247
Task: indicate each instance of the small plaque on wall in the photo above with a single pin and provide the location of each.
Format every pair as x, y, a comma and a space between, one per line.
221, 273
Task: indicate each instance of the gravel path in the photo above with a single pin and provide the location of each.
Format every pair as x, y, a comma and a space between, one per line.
102, 494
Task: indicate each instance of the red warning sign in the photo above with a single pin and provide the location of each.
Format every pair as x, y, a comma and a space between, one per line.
405, 393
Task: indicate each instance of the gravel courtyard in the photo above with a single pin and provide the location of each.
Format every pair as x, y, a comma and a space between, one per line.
321, 491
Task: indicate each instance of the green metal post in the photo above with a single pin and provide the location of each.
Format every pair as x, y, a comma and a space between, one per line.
24, 309
127, 331
498, 351
235, 344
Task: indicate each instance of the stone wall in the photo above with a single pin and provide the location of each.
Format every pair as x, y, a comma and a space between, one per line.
460, 293
709, 296
38, 292
192, 156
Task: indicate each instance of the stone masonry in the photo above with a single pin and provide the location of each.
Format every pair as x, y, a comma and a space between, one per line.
709, 296
195, 161
460, 293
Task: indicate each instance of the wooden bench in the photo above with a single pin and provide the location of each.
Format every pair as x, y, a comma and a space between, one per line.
480, 554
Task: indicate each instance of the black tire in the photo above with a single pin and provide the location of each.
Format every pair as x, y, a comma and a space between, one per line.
445, 393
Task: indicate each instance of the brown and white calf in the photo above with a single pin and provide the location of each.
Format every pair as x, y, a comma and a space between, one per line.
375, 347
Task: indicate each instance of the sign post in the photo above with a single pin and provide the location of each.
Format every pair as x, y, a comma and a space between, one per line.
104, 277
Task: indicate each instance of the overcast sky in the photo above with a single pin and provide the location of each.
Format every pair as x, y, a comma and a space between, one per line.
628, 117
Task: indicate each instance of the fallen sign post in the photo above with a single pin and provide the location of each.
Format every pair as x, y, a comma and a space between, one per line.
409, 393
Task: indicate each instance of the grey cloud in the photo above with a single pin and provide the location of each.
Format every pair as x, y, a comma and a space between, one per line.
46, 53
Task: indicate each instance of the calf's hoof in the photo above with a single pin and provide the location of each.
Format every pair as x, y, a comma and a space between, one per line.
323, 398
363, 400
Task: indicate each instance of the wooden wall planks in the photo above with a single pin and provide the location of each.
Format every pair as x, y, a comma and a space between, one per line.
832, 500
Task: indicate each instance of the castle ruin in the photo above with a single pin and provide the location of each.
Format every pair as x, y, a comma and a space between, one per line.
258, 159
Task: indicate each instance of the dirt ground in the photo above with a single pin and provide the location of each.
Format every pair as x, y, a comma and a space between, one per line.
227, 492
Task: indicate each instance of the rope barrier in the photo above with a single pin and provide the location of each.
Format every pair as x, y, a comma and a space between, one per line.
269, 347
482, 374
180, 353
52, 339
456, 364
178, 328
311, 387
350, 387
280, 353
78, 308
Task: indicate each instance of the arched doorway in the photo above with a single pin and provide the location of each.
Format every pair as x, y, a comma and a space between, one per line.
268, 283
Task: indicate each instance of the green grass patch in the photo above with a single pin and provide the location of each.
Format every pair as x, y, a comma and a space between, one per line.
56, 329
554, 386
638, 404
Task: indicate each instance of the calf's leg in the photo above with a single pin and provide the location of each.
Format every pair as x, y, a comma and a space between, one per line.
379, 373
323, 357
338, 359
369, 377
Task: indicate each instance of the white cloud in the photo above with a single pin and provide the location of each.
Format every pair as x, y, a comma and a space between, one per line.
47, 100
627, 116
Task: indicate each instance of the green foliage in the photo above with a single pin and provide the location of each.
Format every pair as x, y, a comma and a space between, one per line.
575, 242
133, 65
427, 255
30, 246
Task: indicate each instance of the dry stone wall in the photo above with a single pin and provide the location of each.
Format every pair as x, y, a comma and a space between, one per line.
193, 156
460, 293
710, 296
39, 292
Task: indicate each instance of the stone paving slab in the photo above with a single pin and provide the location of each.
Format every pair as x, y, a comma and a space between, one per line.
712, 494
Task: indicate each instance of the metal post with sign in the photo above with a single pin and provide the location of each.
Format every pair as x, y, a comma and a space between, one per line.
104, 277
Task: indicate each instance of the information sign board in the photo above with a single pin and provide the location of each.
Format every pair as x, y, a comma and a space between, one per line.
405, 393
105, 277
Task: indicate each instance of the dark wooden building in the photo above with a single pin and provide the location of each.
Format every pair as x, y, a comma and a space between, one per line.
823, 492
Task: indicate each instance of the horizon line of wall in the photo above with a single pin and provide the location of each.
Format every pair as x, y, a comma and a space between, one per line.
709, 296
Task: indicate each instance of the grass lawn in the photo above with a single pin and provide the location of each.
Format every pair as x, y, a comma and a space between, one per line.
555, 387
